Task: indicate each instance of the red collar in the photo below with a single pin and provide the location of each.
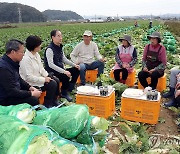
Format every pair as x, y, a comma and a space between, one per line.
155, 46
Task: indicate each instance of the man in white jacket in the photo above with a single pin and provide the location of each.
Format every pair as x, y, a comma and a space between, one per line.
84, 54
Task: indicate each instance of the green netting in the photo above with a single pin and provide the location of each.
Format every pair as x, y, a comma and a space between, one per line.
13, 109
15, 136
20, 138
67, 121
23, 112
69, 147
94, 131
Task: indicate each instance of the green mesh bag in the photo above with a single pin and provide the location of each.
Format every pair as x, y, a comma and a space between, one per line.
94, 131
21, 138
69, 147
16, 136
68, 121
24, 112
13, 109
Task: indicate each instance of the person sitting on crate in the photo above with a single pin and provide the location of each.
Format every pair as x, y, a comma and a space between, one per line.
54, 59
153, 62
33, 72
174, 84
126, 58
13, 89
84, 54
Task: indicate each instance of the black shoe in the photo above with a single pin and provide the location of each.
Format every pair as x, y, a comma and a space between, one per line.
171, 103
69, 98
64, 94
170, 93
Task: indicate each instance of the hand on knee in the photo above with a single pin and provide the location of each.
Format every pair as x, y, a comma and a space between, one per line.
82, 66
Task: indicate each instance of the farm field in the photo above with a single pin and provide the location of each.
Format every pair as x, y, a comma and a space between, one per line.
106, 35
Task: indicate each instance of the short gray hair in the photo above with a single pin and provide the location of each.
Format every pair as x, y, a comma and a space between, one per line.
13, 45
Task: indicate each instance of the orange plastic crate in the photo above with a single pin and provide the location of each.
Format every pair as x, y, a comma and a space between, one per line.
98, 106
41, 98
140, 110
130, 79
160, 86
91, 76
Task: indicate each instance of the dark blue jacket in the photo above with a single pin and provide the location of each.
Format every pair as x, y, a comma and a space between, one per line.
57, 58
11, 84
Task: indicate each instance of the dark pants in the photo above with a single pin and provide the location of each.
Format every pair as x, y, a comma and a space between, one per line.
14, 101
52, 89
96, 64
65, 79
177, 101
142, 76
117, 74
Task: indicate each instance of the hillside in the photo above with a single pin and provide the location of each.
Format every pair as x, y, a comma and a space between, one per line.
61, 15
28, 13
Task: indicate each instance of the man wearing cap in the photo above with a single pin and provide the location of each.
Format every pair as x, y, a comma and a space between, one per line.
153, 62
84, 55
126, 58
54, 59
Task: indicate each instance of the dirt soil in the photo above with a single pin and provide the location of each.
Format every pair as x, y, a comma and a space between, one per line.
166, 126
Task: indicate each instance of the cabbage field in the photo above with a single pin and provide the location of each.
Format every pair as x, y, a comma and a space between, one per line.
124, 136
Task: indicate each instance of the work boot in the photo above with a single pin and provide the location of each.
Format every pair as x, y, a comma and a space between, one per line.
64, 94
171, 103
170, 93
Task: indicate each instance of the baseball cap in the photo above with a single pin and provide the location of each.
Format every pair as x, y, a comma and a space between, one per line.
87, 33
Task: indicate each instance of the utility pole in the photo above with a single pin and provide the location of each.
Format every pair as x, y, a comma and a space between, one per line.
19, 14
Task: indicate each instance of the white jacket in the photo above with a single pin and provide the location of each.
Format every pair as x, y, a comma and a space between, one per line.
32, 70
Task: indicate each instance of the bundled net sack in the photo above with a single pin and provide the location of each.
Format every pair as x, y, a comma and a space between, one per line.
68, 147
68, 121
94, 131
18, 137
24, 112
21, 138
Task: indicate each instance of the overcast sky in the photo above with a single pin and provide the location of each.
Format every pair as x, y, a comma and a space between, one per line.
106, 7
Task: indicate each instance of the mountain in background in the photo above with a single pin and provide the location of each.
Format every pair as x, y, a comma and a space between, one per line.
61, 15
15, 12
